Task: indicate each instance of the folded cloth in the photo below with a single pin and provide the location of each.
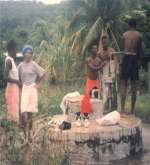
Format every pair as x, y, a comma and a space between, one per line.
65, 100
91, 84
111, 118
29, 98
12, 101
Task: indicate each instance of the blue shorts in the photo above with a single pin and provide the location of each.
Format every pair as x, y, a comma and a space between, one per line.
130, 68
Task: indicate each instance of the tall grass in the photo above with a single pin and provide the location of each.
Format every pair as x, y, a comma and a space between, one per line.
50, 97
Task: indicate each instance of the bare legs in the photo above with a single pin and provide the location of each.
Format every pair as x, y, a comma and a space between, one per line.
133, 95
27, 125
123, 90
124, 85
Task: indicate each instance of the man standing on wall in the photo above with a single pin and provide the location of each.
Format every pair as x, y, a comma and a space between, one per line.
132, 44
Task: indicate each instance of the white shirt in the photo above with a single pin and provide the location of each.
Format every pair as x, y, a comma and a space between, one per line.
13, 73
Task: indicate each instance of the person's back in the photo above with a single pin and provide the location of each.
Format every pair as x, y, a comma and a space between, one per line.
132, 41
132, 44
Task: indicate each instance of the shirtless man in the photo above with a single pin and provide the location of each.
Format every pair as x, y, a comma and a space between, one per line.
107, 54
132, 44
93, 65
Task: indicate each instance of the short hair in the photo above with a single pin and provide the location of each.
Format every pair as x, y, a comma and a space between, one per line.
11, 45
104, 37
132, 22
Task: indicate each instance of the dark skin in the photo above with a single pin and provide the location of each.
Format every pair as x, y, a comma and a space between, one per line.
105, 52
8, 67
27, 116
131, 42
93, 64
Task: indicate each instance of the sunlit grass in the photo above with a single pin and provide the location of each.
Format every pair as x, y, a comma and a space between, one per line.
142, 106
50, 98
49, 104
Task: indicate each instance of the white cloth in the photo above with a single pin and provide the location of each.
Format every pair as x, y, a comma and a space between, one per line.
30, 72
29, 98
13, 73
111, 118
65, 101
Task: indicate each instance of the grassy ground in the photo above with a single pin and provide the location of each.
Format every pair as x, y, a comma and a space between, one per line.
50, 99
142, 106
49, 104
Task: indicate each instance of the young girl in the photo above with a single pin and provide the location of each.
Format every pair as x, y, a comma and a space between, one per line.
30, 74
12, 80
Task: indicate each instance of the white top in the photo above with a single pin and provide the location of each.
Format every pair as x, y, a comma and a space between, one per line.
30, 72
13, 73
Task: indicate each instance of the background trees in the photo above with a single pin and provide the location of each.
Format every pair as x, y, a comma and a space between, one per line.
61, 34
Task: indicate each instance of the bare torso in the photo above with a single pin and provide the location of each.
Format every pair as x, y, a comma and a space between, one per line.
107, 54
91, 72
110, 61
132, 42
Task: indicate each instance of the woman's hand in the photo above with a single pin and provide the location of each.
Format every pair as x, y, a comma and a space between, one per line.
37, 85
18, 83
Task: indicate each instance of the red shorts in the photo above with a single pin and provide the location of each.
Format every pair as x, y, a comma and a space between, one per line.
91, 84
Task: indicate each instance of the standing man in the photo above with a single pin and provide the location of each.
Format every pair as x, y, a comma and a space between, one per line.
93, 65
12, 79
132, 44
107, 54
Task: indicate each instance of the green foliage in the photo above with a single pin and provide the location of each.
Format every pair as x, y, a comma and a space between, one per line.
142, 106
144, 26
17, 19
50, 97
61, 34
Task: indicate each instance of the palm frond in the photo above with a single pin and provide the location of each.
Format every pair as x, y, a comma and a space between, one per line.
78, 39
93, 33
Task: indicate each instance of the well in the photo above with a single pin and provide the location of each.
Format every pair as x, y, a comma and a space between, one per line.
100, 142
